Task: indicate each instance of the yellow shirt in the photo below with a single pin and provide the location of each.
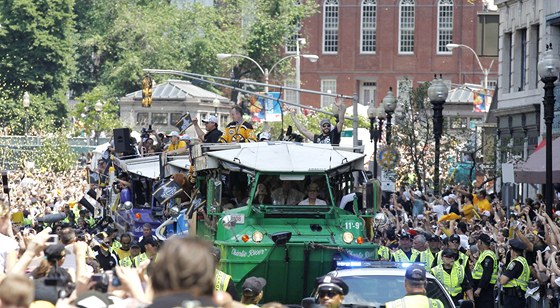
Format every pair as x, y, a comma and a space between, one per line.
122, 253
235, 132
17, 217
482, 204
181, 144
468, 210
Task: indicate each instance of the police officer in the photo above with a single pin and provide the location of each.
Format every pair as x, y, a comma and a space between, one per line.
405, 253
415, 284
485, 273
426, 256
134, 252
223, 281
516, 276
331, 291
452, 275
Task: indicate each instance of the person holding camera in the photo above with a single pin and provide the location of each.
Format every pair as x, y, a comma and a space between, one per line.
516, 276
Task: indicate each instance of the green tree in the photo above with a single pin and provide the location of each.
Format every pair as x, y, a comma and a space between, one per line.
87, 118
55, 153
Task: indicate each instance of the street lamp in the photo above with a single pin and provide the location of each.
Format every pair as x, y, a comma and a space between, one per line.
26, 103
266, 72
485, 71
216, 103
375, 129
98, 107
548, 67
437, 92
389, 104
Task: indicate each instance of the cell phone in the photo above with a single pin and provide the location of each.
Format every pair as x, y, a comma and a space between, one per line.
97, 277
53, 239
115, 282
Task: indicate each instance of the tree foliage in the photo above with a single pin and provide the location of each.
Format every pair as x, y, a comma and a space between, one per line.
54, 154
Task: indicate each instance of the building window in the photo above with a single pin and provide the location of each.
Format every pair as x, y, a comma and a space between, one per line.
406, 27
328, 86
330, 27
159, 118
175, 118
488, 34
142, 119
290, 95
369, 18
506, 68
522, 59
445, 25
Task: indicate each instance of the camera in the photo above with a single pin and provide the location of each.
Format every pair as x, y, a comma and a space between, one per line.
101, 282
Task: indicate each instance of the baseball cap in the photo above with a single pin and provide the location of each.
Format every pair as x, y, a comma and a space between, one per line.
55, 251
415, 272
211, 118
485, 238
329, 283
454, 238
433, 238
174, 134
325, 121
264, 136
449, 253
517, 244
134, 244
418, 193
186, 137
405, 235
254, 285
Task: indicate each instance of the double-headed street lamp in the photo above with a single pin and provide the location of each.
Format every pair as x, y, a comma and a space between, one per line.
266, 72
26, 104
549, 68
485, 71
389, 104
437, 92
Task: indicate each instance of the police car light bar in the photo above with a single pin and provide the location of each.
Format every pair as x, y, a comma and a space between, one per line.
375, 264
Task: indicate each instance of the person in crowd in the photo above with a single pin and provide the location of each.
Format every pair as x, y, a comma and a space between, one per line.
177, 146
405, 252
262, 196
9, 247
515, 277
331, 291
212, 134
419, 244
264, 136
105, 255
124, 250
415, 285
134, 252
253, 291
16, 291
151, 247
485, 273
238, 130
183, 276
418, 203
147, 235
452, 276
434, 242
329, 134
312, 196
286, 195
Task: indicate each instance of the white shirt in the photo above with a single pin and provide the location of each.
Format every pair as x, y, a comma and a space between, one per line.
7, 245
317, 202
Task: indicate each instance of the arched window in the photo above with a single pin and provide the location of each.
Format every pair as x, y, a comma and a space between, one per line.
369, 20
330, 26
445, 25
406, 26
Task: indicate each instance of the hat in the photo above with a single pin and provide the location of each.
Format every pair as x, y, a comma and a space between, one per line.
418, 193
174, 134
415, 272
254, 285
454, 238
486, 213
517, 244
449, 253
134, 244
211, 119
151, 241
325, 283
453, 196
264, 136
405, 235
485, 238
93, 299
186, 137
446, 199
325, 121
433, 238
54, 251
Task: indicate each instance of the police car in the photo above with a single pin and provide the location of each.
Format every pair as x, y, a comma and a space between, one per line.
373, 283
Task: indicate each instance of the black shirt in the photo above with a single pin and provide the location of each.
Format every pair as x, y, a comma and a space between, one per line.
107, 262
212, 136
332, 138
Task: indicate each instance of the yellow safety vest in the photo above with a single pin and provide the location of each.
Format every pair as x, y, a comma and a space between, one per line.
221, 281
126, 262
415, 301
140, 258
427, 257
451, 282
383, 252
400, 256
478, 270
523, 279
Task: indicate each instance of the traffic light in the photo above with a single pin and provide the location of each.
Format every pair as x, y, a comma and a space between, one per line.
147, 84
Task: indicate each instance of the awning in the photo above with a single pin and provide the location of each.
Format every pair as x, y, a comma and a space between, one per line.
533, 170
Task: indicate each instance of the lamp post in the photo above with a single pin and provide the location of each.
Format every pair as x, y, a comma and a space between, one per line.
549, 67
26, 103
389, 104
98, 108
216, 103
437, 92
485, 71
375, 129
266, 72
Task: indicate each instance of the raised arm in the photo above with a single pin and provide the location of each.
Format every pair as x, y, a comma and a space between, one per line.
198, 130
300, 127
339, 102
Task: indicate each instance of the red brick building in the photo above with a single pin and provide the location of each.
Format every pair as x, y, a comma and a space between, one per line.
367, 46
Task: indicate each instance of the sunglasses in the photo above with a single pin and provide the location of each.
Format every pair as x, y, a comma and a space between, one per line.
328, 293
